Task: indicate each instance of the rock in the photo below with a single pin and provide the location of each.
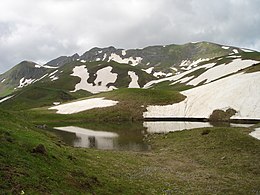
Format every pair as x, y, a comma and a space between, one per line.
44, 126
40, 149
205, 132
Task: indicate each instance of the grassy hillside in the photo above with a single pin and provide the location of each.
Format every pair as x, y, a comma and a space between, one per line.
188, 162
132, 104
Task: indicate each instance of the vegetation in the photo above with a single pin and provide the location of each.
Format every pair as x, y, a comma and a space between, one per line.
221, 115
132, 104
34, 161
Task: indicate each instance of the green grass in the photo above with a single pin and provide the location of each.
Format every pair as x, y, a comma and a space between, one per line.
32, 97
225, 161
132, 104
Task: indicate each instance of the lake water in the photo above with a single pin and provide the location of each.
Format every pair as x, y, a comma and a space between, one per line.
123, 136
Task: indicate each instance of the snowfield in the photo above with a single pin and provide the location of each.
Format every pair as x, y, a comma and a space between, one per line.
104, 77
177, 76
213, 72
83, 105
240, 92
222, 70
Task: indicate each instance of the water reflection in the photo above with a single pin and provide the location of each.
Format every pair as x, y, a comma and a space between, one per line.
124, 136
170, 126
91, 139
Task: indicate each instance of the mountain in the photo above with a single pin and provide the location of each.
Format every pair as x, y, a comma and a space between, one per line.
160, 60
207, 74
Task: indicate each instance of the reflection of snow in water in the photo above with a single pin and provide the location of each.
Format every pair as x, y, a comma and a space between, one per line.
256, 133
91, 139
170, 126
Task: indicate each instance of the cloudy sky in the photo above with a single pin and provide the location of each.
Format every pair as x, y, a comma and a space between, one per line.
40, 30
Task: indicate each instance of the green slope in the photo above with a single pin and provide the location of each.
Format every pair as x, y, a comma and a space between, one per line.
187, 162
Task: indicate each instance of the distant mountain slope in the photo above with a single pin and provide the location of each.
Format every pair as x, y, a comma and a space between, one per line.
159, 60
172, 67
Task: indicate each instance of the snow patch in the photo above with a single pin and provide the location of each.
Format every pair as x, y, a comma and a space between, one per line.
44, 66
240, 92
247, 50
235, 51
134, 80
83, 105
159, 74
3, 81
123, 52
83, 61
104, 57
225, 47
178, 75
56, 103
24, 82
148, 70
222, 70
174, 69
132, 61
6, 98
255, 133
104, 77
53, 73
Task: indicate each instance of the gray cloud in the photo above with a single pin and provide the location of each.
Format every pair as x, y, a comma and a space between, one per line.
42, 30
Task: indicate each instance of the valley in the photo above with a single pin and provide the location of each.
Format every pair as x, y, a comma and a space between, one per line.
108, 122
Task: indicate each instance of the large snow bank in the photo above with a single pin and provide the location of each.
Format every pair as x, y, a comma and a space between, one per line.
240, 92
82, 105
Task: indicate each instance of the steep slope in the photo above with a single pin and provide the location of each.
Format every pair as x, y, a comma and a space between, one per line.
75, 80
240, 92
21, 75
208, 71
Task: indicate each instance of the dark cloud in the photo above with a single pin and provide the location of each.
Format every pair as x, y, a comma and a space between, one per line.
42, 30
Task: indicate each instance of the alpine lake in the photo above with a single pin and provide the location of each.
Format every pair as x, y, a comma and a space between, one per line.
125, 135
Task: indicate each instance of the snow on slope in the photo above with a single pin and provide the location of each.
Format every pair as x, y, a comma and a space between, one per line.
222, 70
134, 80
130, 60
82, 105
104, 76
44, 66
255, 133
24, 82
178, 76
188, 65
240, 92
6, 98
